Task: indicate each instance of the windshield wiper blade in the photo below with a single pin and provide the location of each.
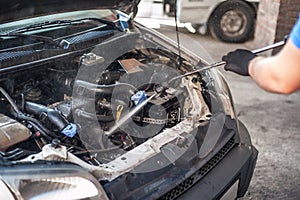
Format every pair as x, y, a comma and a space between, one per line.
44, 39
120, 24
57, 23
42, 25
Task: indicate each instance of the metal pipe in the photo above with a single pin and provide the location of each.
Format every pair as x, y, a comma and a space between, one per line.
217, 64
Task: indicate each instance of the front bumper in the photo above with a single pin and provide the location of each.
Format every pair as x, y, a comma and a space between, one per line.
231, 176
226, 174
237, 166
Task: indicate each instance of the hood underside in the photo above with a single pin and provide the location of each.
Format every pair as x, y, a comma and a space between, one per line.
14, 10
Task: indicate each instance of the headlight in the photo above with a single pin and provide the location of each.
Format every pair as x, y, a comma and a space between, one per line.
49, 182
57, 188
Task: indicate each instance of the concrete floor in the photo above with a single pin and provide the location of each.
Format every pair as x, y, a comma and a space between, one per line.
273, 120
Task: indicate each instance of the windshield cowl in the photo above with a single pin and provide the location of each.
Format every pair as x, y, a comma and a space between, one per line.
13, 10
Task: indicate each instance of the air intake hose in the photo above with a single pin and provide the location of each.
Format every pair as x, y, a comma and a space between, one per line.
53, 116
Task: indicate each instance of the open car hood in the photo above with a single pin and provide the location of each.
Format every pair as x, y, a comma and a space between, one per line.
13, 10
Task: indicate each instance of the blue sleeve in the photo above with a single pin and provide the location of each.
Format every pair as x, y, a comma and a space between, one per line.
295, 34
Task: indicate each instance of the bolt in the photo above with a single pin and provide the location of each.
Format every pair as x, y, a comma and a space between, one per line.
55, 143
194, 80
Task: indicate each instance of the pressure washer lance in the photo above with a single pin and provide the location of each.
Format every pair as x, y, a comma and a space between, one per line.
220, 63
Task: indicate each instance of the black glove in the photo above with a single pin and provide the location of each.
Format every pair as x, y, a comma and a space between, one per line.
238, 61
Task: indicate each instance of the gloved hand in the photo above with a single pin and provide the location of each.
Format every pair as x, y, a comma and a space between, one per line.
238, 61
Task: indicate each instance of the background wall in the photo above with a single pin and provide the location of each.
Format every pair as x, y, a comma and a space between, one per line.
275, 19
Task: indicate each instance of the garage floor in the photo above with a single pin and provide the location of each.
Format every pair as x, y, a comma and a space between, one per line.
273, 120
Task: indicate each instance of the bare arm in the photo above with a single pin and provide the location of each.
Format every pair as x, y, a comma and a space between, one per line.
279, 73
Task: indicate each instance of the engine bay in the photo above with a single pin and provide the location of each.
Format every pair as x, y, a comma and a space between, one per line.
100, 108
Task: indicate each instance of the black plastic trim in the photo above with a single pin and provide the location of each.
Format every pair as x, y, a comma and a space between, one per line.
198, 175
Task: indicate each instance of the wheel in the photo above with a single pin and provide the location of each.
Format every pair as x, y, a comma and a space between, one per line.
232, 21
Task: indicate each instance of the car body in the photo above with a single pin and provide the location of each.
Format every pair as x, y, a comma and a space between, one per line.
91, 109
227, 20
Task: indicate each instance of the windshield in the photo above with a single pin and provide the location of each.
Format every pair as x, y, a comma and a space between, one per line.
56, 31
102, 14
43, 37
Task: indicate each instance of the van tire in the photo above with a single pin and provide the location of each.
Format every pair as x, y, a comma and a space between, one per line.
232, 21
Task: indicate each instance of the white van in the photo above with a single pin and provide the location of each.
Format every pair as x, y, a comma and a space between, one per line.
227, 20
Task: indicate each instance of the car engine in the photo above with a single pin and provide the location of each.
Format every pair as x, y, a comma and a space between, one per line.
94, 109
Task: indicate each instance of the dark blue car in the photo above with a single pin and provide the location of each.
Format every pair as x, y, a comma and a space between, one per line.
92, 106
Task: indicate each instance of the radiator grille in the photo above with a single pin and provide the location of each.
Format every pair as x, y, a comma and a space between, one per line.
189, 182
